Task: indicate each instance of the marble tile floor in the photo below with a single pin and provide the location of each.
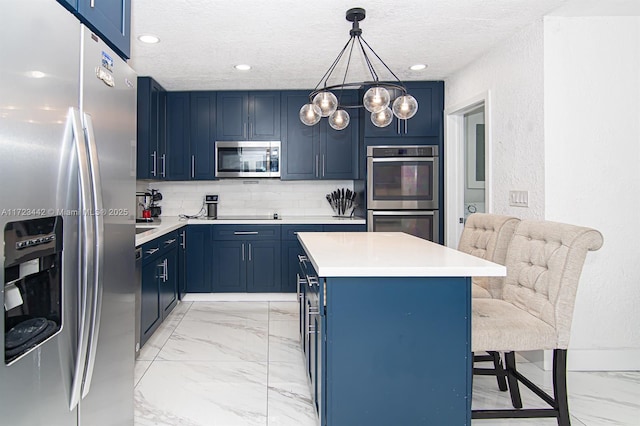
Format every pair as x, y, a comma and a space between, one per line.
240, 364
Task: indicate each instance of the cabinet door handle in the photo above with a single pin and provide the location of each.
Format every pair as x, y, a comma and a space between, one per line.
92, 4
164, 165
155, 162
244, 130
398, 125
193, 166
302, 258
323, 157
250, 130
317, 173
166, 270
168, 242
164, 274
313, 281
245, 233
406, 126
183, 243
249, 252
243, 252
153, 250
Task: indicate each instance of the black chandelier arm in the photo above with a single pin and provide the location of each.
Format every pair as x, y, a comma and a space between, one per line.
383, 63
346, 71
372, 69
327, 74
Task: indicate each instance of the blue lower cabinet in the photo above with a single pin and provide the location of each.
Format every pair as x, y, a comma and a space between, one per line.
291, 249
263, 266
230, 266
159, 288
150, 312
198, 259
247, 266
168, 282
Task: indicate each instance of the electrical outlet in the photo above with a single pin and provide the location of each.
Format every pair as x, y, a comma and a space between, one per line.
519, 198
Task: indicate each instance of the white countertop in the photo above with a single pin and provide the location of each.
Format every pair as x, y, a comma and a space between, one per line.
171, 223
389, 254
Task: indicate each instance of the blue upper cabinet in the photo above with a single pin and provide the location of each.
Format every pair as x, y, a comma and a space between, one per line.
178, 161
298, 152
427, 123
203, 135
264, 116
110, 19
232, 114
248, 116
317, 152
151, 157
339, 148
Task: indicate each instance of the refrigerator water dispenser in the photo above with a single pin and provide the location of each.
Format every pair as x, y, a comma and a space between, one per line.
33, 286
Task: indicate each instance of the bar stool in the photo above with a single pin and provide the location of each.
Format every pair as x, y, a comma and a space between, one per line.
544, 262
487, 236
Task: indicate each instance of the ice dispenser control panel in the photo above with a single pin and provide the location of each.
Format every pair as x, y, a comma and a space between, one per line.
32, 284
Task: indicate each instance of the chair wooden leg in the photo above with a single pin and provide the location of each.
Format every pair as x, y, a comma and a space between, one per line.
514, 389
560, 386
500, 372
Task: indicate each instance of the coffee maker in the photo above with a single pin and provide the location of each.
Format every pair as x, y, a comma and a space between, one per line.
212, 206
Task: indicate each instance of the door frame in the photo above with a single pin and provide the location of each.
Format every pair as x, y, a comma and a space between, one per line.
455, 163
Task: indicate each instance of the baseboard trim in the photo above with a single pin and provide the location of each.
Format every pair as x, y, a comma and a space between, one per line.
589, 359
239, 297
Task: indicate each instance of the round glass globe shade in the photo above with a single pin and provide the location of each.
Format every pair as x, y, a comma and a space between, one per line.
339, 119
405, 107
376, 99
327, 102
310, 114
382, 118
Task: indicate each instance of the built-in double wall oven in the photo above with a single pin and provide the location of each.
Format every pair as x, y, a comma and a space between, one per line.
402, 190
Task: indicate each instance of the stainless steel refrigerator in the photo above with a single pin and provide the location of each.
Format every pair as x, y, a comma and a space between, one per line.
67, 172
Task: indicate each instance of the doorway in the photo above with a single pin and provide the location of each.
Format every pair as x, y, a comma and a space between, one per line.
468, 147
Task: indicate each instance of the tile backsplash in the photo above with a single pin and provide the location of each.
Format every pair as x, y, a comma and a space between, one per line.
247, 196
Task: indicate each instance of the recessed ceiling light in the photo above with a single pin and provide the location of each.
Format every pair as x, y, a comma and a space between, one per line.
35, 74
417, 67
148, 38
243, 67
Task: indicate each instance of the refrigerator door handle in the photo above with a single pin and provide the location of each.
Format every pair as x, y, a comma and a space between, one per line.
98, 218
86, 255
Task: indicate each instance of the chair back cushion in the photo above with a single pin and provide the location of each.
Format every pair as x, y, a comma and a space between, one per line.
487, 236
544, 261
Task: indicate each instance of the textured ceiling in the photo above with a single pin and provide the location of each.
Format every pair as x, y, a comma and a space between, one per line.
291, 43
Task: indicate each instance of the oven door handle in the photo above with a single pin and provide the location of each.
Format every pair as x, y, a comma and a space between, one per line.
403, 213
401, 159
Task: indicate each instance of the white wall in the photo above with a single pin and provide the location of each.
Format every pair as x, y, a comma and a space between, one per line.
565, 118
248, 196
592, 169
513, 75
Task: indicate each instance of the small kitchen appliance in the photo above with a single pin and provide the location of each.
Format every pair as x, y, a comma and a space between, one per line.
247, 159
212, 206
155, 209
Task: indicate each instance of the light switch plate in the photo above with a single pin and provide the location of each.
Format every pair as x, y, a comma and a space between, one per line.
519, 198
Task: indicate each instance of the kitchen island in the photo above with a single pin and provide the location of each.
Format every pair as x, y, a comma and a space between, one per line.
386, 328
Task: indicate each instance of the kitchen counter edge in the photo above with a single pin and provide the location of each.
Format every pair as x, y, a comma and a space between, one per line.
169, 224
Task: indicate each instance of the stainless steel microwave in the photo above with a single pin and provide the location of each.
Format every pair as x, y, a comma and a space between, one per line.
247, 159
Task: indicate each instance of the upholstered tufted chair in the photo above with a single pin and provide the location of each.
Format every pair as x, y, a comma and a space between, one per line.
487, 236
544, 261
